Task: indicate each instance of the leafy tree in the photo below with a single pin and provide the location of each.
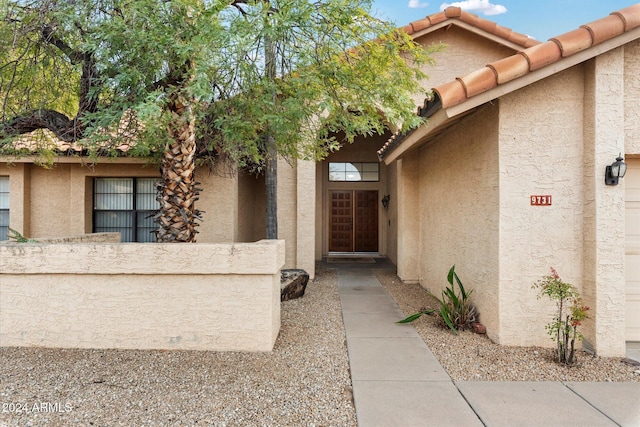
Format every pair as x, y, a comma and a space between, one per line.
239, 80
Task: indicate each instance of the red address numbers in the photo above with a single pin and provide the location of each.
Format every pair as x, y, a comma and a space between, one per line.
541, 200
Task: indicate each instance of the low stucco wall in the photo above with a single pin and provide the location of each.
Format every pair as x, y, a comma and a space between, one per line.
80, 238
222, 297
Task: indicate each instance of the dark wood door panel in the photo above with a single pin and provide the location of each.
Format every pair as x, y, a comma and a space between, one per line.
341, 222
353, 221
366, 221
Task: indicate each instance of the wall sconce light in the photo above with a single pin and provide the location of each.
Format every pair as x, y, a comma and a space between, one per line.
385, 201
615, 171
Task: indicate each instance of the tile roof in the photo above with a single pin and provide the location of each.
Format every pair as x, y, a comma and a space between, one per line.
524, 62
455, 14
121, 139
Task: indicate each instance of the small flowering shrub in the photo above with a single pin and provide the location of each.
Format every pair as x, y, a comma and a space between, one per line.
571, 313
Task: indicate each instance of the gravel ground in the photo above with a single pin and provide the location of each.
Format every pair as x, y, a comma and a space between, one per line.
473, 357
304, 381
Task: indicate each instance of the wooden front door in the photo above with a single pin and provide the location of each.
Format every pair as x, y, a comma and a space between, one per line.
353, 222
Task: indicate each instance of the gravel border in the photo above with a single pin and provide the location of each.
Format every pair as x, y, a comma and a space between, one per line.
304, 381
473, 357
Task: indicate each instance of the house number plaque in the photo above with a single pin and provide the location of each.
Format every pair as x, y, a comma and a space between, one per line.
540, 200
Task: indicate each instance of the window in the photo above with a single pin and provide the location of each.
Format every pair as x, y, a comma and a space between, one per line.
353, 172
126, 205
4, 207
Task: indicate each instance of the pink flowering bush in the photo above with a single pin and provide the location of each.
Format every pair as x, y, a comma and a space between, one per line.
571, 313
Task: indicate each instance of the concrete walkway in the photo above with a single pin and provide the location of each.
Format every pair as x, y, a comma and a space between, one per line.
397, 381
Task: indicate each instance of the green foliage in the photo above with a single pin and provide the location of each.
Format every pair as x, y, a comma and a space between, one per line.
338, 70
564, 327
17, 236
456, 310
33, 74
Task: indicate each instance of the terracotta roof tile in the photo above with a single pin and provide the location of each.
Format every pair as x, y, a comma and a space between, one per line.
542, 55
573, 41
510, 68
451, 93
630, 16
453, 12
479, 81
420, 25
456, 13
503, 32
488, 26
470, 18
520, 39
605, 28
435, 18
534, 57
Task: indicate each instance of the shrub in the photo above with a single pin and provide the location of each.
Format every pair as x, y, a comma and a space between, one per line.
456, 311
571, 313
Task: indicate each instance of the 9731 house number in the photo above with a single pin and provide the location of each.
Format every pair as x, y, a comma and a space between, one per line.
541, 200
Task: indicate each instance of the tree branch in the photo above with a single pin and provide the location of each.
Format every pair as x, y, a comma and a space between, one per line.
62, 126
74, 56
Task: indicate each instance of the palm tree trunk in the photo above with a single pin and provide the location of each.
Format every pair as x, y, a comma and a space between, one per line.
178, 192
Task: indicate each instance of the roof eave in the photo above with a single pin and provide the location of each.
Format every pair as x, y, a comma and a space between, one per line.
415, 137
543, 73
444, 117
478, 31
76, 159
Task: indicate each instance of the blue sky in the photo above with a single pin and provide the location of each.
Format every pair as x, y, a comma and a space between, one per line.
540, 19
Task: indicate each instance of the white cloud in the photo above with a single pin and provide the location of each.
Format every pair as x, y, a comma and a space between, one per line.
484, 6
416, 4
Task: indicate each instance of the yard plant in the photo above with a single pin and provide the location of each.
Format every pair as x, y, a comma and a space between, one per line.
455, 309
569, 315
240, 82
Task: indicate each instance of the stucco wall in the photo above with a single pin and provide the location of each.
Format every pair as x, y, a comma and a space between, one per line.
464, 52
632, 97
59, 201
409, 219
459, 211
392, 212
541, 132
80, 238
141, 296
604, 139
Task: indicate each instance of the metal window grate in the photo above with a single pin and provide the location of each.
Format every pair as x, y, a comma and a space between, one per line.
4, 207
125, 205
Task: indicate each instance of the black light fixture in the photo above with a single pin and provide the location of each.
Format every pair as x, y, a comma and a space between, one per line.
385, 201
615, 171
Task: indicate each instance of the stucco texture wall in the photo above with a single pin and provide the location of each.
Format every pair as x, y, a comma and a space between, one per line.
458, 211
463, 53
141, 296
632, 98
604, 138
59, 201
541, 152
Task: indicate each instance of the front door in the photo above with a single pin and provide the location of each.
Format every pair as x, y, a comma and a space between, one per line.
353, 222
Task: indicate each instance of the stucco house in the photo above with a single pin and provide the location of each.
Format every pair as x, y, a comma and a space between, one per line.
539, 123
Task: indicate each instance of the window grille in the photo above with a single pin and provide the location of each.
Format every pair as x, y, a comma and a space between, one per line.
126, 205
354, 172
4, 207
